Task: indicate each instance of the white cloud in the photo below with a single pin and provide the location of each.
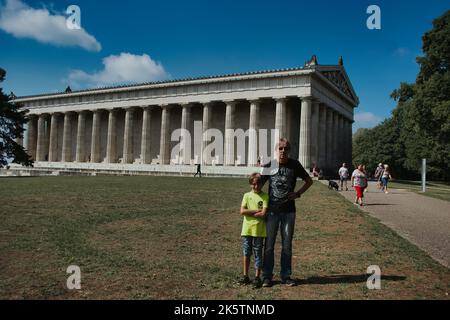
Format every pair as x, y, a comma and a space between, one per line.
22, 21
121, 69
366, 120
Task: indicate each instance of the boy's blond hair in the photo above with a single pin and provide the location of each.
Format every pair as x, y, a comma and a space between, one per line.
254, 176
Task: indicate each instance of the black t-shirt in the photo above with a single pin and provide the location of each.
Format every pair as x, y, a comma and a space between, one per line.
282, 180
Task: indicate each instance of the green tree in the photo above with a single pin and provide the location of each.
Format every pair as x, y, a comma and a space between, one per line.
12, 121
424, 107
420, 123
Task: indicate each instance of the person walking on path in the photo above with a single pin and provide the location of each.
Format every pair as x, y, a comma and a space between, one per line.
378, 171
343, 176
359, 182
385, 177
282, 174
199, 170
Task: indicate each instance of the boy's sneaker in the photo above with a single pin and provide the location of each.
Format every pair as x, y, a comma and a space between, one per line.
289, 282
244, 280
257, 283
267, 283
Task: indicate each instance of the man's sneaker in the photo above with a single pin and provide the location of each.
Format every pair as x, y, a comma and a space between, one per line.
244, 280
257, 283
267, 283
289, 282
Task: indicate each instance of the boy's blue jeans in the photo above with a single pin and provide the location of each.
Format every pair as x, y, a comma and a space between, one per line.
286, 222
254, 244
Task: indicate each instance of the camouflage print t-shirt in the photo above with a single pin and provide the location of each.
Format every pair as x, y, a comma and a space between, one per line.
282, 180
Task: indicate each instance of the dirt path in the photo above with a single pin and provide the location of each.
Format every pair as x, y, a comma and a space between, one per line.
422, 220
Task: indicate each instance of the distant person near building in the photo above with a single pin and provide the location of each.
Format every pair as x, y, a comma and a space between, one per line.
199, 170
343, 176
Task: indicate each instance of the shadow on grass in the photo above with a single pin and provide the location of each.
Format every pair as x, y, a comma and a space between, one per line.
345, 278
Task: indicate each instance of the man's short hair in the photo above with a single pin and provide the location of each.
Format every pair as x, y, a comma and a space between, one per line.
254, 176
288, 145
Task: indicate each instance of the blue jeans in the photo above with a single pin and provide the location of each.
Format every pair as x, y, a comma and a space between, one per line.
254, 244
286, 222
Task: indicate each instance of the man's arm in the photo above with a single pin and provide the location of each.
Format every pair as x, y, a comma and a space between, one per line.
301, 173
308, 183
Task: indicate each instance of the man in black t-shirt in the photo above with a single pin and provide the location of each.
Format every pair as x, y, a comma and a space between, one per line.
282, 175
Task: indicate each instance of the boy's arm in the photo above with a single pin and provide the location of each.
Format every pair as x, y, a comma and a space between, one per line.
261, 214
247, 212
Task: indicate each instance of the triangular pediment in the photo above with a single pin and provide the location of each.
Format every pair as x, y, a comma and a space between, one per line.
338, 76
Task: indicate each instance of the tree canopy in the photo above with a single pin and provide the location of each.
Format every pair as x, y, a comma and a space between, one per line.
12, 120
420, 123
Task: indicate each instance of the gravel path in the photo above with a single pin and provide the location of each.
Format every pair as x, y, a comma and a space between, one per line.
422, 220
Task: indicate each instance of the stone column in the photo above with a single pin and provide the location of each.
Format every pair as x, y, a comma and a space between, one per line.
146, 135
53, 148
206, 158
32, 136
41, 139
80, 155
253, 127
128, 136
185, 124
341, 140
314, 133
164, 150
322, 162
111, 146
229, 133
67, 138
95, 141
335, 139
280, 118
330, 132
349, 155
305, 133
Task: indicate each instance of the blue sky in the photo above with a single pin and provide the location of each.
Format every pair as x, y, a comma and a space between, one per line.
135, 41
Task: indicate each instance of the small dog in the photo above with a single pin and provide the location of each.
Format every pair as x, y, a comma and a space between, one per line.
333, 185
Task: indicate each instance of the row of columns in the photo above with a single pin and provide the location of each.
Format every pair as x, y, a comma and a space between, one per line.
324, 135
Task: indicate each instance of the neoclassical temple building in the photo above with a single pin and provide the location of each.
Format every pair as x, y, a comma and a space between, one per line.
128, 129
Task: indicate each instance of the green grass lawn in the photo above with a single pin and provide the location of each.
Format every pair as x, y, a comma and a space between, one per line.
438, 190
179, 238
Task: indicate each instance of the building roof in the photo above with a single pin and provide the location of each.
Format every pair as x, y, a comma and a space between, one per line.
132, 85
